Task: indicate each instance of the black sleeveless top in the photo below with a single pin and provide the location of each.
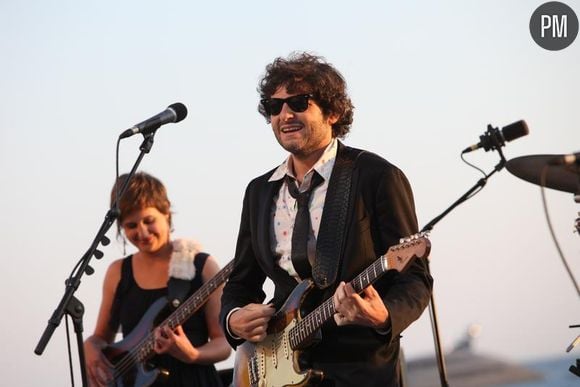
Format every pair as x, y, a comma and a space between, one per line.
129, 306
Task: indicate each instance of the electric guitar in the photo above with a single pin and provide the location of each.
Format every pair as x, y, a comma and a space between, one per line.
275, 361
130, 357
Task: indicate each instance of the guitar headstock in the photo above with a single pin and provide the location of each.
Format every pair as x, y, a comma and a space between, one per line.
399, 256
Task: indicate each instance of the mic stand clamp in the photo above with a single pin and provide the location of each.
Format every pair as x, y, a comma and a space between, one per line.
69, 304
428, 227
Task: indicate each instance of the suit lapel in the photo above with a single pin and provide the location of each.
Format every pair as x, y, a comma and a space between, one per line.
264, 222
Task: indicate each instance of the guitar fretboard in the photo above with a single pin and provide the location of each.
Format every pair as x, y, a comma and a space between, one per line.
314, 320
397, 257
145, 348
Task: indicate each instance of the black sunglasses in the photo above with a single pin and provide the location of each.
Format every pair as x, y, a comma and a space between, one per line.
298, 103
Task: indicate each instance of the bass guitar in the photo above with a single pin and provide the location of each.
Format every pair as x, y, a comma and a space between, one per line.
130, 357
275, 361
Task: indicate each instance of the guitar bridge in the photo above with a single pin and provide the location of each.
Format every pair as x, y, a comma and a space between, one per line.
257, 368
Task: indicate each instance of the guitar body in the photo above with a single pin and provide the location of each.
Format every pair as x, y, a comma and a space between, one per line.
131, 357
276, 360
135, 373
272, 362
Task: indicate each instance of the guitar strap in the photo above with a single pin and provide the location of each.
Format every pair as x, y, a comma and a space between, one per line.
178, 289
122, 289
331, 237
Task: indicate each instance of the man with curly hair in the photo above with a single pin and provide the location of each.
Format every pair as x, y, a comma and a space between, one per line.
357, 206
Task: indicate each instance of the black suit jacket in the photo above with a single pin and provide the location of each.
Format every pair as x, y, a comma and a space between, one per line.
381, 211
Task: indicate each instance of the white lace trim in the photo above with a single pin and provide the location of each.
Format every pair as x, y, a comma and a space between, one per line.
181, 263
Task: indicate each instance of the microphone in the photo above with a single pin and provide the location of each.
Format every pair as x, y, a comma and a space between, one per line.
495, 139
570, 159
174, 113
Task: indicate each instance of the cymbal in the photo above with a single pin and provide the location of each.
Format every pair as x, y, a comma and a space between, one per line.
561, 177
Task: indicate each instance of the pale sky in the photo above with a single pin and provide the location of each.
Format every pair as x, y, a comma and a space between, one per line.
426, 79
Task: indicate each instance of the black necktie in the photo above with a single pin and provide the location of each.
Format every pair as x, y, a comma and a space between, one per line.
302, 225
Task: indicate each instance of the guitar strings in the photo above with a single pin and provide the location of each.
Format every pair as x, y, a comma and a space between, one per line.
304, 328
146, 344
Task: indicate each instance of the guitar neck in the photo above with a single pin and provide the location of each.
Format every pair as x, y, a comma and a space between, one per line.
397, 258
315, 319
187, 309
200, 297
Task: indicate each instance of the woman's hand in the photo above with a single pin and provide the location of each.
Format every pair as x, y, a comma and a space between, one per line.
174, 343
99, 370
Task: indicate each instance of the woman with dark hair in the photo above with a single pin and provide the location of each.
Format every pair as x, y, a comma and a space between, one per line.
132, 284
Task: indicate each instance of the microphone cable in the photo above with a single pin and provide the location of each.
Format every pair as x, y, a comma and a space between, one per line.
552, 233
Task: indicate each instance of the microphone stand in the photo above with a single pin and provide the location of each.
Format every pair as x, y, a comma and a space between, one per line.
69, 304
428, 227
575, 369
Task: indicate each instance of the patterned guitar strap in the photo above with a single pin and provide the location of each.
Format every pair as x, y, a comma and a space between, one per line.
334, 218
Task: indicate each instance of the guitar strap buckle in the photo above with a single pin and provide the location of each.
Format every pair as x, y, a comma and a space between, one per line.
177, 290
181, 270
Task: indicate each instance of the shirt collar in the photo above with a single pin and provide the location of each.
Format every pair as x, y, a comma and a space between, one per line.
323, 166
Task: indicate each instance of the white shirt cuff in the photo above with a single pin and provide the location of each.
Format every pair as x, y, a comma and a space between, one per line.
228, 324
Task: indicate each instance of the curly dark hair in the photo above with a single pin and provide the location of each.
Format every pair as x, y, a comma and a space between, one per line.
305, 73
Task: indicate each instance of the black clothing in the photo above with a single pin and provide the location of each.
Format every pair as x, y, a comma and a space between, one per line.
131, 303
381, 211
